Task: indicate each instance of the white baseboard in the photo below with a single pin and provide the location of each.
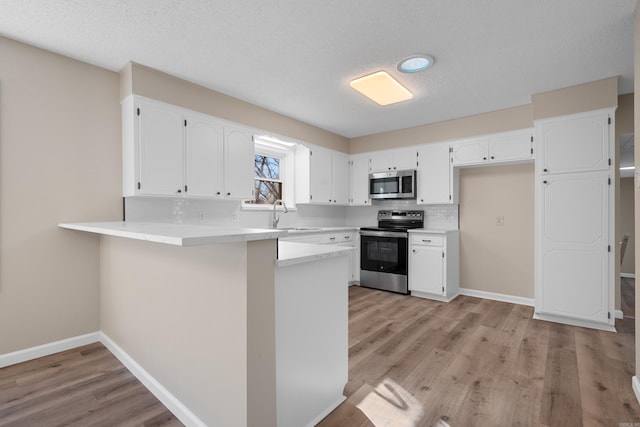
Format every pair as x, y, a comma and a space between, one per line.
169, 400
574, 322
27, 354
635, 384
618, 314
497, 297
628, 275
327, 411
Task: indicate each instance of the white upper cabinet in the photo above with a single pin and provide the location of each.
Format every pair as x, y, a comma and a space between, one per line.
496, 148
340, 178
470, 152
393, 160
172, 151
511, 146
576, 143
359, 181
434, 174
159, 137
239, 176
322, 176
203, 151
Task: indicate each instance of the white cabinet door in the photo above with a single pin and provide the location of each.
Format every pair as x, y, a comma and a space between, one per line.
470, 152
320, 179
511, 146
579, 143
340, 178
426, 269
433, 174
160, 130
573, 276
405, 159
393, 160
359, 181
238, 163
203, 152
381, 162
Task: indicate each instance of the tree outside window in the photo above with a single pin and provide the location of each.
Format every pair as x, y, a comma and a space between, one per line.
268, 182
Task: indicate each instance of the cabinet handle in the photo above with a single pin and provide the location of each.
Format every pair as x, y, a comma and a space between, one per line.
332, 238
414, 250
218, 193
545, 170
365, 202
422, 200
228, 194
179, 191
492, 157
484, 158
544, 182
426, 240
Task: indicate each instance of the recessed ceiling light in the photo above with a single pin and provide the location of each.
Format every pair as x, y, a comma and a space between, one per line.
381, 88
415, 63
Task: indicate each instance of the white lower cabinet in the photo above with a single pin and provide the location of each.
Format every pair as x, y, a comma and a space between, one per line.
434, 264
342, 238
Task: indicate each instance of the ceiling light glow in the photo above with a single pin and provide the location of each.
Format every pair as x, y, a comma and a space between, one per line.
415, 63
381, 88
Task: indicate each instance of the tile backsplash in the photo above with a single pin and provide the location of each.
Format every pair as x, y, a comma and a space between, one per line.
230, 214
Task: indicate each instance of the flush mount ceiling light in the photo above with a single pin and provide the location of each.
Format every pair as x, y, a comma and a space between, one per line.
415, 63
381, 88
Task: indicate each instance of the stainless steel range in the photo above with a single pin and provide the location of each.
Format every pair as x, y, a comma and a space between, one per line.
384, 250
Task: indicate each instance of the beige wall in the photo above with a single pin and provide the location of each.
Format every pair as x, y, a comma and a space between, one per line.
59, 161
158, 300
496, 121
495, 258
575, 99
154, 84
627, 218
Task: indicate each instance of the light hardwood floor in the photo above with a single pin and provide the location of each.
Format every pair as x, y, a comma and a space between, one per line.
475, 362
412, 362
86, 386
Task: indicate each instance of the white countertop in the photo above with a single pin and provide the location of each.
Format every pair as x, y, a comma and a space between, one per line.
175, 234
290, 253
431, 231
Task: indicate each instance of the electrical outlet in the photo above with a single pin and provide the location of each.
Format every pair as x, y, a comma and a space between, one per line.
500, 221
200, 216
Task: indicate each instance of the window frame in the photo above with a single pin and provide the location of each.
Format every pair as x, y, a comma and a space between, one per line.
285, 152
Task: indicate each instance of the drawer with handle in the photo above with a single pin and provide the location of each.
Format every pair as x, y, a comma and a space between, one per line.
426, 240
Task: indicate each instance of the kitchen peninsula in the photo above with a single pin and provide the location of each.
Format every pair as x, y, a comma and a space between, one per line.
232, 325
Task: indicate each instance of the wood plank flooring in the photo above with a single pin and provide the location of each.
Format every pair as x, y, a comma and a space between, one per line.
412, 362
475, 362
86, 386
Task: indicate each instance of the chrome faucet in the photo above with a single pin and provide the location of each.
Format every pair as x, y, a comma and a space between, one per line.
276, 219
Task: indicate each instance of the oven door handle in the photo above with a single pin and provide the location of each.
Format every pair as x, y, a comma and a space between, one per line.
383, 234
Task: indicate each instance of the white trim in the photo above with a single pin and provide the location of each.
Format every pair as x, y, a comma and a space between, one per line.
497, 297
434, 297
628, 275
169, 400
326, 412
574, 322
635, 384
619, 314
27, 354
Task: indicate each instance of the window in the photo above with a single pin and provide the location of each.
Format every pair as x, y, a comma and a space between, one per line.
268, 187
273, 173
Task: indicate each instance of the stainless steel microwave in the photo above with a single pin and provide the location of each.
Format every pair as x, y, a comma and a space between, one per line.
393, 185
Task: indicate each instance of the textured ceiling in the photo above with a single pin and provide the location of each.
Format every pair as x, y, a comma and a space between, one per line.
296, 57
